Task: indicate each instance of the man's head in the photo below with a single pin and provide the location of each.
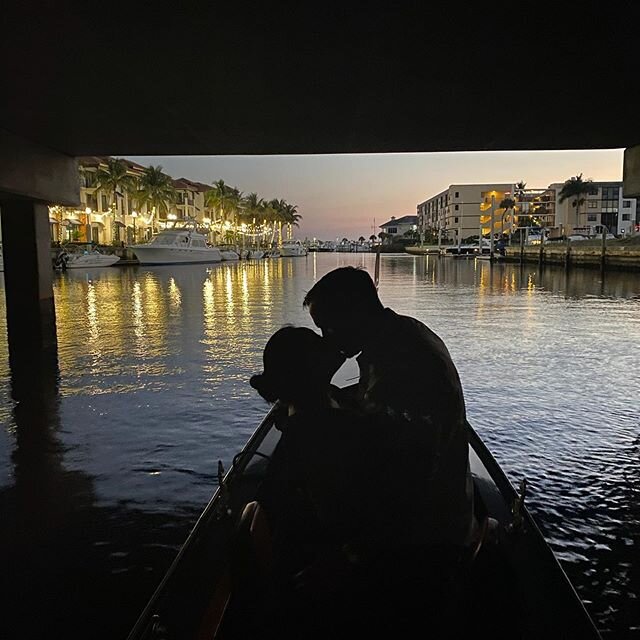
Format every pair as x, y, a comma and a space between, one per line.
344, 304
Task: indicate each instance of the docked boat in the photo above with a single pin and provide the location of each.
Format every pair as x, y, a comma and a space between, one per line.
291, 248
424, 250
510, 585
229, 253
256, 254
85, 257
177, 245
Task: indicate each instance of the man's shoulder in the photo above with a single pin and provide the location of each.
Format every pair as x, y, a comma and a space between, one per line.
411, 332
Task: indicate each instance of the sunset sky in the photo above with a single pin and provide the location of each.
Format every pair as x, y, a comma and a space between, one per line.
342, 195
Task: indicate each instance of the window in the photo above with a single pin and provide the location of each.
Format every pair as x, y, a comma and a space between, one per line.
392, 230
457, 207
592, 217
105, 203
455, 220
457, 194
626, 216
593, 204
626, 204
92, 201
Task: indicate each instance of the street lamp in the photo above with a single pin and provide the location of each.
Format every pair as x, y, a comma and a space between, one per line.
134, 215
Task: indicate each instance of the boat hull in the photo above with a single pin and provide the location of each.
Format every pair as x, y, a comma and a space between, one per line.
177, 255
291, 252
518, 588
91, 261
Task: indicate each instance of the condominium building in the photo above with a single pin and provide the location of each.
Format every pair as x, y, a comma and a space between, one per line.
605, 206
461, 210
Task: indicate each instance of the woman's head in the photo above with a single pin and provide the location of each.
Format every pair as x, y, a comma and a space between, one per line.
298, 365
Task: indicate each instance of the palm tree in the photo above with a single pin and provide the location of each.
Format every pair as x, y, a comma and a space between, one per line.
114, 179
279, 216
576, 189
372, 238
225, 200
253, 208
155, 190
361, 239
290, 216
507, 204
519, 194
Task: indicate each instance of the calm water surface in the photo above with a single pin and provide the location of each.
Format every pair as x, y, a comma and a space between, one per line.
153, 370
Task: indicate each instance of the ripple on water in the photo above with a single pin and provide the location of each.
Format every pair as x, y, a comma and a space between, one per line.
154, 365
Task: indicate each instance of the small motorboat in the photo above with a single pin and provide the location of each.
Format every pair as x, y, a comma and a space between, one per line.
513, 585
89, 259
292, 248
256, 254
228, 253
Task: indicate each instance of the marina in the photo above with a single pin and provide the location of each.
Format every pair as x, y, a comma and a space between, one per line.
152, 392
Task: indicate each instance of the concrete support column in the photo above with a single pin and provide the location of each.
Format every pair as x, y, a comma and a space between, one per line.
28, 276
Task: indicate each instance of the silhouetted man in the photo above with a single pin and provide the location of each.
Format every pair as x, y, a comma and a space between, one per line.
407, 380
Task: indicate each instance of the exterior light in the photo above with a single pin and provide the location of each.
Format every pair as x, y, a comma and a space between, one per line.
88, 210
134, 214
206, 220
172, 216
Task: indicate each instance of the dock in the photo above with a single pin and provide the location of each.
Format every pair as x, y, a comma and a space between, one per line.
615, 254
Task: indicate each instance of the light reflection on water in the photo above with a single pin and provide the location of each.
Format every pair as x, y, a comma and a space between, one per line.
154, 364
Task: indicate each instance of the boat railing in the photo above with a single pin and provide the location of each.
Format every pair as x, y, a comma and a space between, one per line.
219, 507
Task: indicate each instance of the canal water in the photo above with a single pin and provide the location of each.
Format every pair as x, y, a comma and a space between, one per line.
101, 481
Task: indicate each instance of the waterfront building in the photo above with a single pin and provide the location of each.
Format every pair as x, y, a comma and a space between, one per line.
104, 218
107, 218
604, 205
190, 203
461, 210
397, 227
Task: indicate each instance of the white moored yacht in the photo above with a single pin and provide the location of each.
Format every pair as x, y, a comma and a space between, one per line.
292, 248
181, 245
